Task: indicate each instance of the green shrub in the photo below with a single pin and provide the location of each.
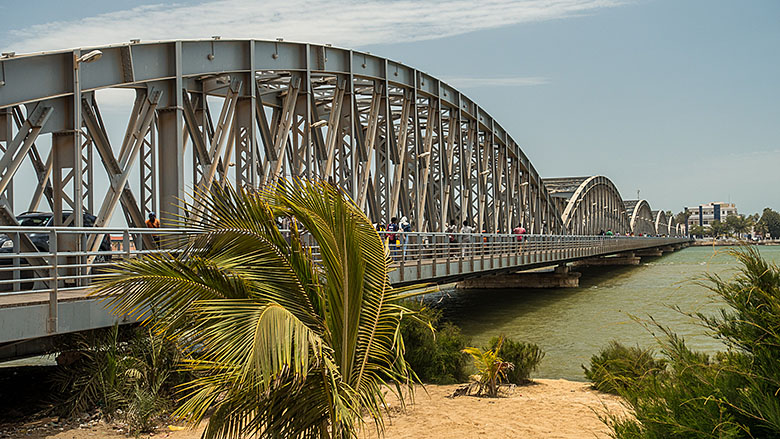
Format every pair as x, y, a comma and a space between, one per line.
617, 367
127, 371
524, 356
733, 394
491, 368
436, 356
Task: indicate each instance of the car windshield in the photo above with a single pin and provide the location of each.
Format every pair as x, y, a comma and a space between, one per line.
33, 221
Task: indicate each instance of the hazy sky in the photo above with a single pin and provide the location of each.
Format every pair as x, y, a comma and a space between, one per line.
677, 98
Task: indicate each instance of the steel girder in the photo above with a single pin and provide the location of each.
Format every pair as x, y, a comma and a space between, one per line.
591, 205
397, 140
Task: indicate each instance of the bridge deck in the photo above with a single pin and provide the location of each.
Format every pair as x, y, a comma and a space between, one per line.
58, 301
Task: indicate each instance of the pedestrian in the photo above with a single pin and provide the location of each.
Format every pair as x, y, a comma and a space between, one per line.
467, 237
406, 227
154, 223
519, 231
392, 236
451, 230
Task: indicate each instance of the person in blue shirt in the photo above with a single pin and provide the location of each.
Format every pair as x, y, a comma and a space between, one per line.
392, 238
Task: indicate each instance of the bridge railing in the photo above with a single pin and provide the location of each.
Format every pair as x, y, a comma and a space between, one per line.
61, 261
436, 255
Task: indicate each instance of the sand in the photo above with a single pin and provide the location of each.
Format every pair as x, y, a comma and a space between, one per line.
546, 409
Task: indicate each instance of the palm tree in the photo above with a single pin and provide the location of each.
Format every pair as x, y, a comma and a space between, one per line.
283, 346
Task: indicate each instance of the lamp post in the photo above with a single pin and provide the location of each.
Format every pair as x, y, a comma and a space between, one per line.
78, 59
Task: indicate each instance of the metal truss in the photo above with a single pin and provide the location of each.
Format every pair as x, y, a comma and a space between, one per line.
396, 140
643, 222
590, 205
661, 222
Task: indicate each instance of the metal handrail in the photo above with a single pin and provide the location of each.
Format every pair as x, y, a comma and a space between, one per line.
65, 265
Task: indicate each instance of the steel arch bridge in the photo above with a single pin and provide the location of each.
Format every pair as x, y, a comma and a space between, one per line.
643, 222
397, 140
248, 112
590, 205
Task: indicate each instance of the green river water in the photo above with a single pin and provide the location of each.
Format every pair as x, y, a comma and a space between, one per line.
571, 324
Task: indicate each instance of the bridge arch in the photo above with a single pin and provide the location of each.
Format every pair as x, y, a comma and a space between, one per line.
590, 205
661, 223
397, 140
641, 217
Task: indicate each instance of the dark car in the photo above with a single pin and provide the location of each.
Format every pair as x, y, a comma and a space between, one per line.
41, 240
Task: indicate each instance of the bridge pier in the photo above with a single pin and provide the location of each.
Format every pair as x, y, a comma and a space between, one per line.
561, 277
649, 252
668, 248
626, 258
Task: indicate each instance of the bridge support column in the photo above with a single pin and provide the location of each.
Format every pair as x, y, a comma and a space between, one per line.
668, 248
560, 278
627, 258
649, 252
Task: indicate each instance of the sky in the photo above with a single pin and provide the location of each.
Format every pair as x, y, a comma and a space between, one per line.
679, 99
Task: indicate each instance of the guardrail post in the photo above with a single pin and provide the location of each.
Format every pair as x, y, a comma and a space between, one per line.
17, 263
51, 323
126, 243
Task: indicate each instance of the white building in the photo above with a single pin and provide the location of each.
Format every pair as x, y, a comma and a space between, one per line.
705, 214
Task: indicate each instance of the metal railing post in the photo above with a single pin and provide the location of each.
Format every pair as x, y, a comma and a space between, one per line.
126, 243
51, 323
16, 263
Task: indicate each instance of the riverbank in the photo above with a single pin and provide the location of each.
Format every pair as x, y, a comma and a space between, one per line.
545, 409
730, 242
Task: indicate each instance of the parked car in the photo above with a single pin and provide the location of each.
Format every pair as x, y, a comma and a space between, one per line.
41, 240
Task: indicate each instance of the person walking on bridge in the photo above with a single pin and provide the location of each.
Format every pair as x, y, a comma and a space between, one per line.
406, 227
451, 230
392, 236
519, 231
154, 223
466, 230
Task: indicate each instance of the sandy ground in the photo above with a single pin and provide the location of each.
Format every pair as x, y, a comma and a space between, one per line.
546, 409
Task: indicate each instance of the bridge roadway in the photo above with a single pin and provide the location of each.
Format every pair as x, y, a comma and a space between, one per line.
39, 301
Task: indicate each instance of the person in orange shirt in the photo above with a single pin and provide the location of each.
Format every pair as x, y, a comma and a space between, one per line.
154, 223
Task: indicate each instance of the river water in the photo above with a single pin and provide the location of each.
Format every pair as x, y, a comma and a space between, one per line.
571, 324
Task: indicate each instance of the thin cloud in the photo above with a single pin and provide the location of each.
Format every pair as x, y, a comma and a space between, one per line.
517, 81
349, 23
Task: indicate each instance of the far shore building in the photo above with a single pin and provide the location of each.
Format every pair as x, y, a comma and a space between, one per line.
704, 214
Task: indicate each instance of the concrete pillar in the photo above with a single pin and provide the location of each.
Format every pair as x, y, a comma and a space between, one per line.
560, 278
649, 252
627, 258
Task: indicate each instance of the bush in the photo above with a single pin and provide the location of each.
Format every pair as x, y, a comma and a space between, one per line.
617, 367
524, 356
127, 371
435, 357
732, 394
491, 367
